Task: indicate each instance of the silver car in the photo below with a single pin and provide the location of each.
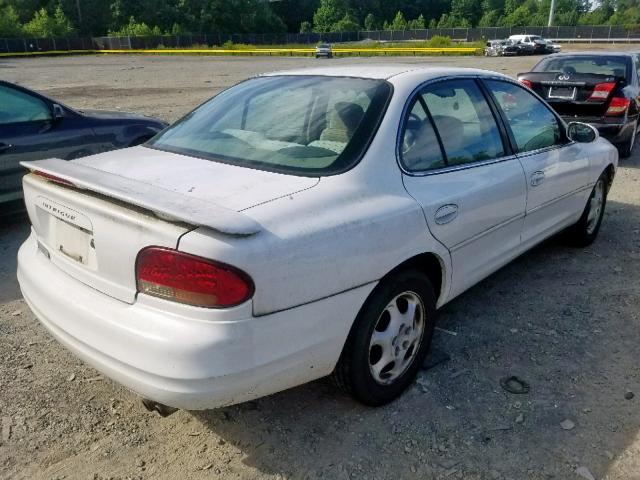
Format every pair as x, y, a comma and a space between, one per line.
324, 50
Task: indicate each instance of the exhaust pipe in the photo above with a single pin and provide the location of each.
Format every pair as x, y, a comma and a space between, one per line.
153, 406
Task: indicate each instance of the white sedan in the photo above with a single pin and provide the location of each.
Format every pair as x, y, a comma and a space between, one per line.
302, 224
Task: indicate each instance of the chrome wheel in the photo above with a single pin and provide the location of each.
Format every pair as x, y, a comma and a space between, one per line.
396, 337
596, 205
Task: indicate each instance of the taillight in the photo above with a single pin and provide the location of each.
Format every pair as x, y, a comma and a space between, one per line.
527, 83
53, 178
618, 106
601, 91
184, 278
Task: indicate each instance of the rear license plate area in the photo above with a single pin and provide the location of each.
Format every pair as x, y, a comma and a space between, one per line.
564, 93
72, 242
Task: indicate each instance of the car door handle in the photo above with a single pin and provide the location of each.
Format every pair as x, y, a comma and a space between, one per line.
4, 147
446, 213
537, 178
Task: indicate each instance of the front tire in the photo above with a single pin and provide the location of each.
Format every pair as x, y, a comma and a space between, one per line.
585, 230
389, 339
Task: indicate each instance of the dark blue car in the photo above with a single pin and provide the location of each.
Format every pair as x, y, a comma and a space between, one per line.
33, 127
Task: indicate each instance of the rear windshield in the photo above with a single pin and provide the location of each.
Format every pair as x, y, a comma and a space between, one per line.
597, 64
307, 125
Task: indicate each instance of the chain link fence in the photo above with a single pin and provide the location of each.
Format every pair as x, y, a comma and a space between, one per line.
588, 34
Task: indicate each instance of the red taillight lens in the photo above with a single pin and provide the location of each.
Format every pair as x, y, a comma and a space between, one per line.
618, 106
53, 178
601, 91
189, 279
526, 83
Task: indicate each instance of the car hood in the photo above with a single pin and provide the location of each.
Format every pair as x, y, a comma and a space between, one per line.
229, 186
113, 115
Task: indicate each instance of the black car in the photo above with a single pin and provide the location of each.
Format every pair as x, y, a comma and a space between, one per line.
602, 89
34, 127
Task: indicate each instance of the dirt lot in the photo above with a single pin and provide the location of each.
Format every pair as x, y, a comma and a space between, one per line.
565, 320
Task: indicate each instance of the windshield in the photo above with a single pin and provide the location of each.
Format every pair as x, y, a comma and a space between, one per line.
308, 125
597, 64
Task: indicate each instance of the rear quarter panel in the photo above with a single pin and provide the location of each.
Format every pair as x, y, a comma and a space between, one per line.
319, 242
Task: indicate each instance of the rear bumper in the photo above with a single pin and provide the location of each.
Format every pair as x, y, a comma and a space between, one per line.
181, 359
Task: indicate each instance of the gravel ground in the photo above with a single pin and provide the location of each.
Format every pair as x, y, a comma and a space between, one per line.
565, 320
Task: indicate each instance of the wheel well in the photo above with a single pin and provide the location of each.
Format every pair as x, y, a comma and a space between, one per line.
610, 174
429, 264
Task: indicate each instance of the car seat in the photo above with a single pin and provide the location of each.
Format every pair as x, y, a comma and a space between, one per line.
343, 121
452, 134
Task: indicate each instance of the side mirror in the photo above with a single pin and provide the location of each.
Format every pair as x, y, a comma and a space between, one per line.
57, 112
582, 132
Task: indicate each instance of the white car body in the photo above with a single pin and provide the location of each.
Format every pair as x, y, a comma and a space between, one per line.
314, 247
551, 47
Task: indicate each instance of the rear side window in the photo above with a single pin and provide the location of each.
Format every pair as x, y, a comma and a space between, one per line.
420, 147
532, 124
20, 107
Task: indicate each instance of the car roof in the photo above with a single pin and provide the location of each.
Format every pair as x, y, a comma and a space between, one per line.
383, 72
593, 53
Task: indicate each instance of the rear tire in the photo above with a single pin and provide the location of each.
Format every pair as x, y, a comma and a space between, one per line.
389, 339
625, 149
585, 230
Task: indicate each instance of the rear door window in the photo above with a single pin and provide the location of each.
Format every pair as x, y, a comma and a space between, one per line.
532, 124
463, 119
449, 124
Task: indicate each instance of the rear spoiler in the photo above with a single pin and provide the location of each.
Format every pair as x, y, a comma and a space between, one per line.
165, 204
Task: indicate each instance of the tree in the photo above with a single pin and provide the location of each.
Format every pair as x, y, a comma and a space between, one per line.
348, 23
370, 22
136, 29
306, 27
328, 14
469, 10
627, 12
44, 25
450, 21
398, 23
10, 23
492, 18
417, 23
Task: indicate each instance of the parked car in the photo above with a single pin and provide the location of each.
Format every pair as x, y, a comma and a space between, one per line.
599, 88
501, 48
324, 50
302, 224
535, 44
553, 47
33, 126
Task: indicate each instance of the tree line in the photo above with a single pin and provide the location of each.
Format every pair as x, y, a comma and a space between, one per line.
60, 18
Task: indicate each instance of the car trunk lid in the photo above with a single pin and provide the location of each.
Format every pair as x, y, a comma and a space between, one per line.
92, 223
576, 94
